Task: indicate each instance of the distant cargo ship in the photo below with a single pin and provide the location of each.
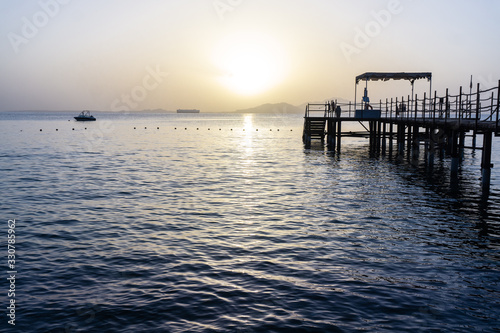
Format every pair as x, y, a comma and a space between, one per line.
188, 111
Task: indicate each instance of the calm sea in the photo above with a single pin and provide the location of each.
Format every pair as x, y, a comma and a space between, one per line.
225, 223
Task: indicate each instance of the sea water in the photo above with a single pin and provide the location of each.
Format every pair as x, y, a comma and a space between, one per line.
225, 223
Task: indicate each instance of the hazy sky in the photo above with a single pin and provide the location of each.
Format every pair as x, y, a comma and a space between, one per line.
223, 55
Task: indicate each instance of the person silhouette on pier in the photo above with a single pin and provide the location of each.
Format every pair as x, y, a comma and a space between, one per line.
338, 111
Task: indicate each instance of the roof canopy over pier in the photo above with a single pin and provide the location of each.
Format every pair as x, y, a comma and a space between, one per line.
372, 76
386, 76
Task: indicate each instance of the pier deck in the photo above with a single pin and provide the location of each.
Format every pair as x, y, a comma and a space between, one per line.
439, 123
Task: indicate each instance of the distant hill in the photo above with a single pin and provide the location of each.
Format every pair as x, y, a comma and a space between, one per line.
273, 108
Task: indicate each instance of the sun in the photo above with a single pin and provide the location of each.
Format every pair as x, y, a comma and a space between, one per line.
249, 64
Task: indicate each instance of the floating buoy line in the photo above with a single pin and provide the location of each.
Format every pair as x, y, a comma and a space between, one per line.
185, 128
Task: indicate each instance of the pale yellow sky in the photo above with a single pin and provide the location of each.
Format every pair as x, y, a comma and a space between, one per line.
223, 55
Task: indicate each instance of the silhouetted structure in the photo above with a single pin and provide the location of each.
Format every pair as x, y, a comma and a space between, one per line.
439, 123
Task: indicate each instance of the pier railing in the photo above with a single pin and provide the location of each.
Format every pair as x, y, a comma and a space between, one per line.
318, 110
478, 106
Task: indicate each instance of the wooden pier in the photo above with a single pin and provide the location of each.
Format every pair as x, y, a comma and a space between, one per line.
403, 125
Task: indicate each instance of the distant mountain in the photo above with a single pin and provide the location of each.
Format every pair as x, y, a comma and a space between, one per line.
273, 108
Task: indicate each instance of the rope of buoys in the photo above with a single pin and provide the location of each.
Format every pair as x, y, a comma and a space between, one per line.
175, 128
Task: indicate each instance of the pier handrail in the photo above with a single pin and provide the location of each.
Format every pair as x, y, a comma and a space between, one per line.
477, 105
317, 107
480, 105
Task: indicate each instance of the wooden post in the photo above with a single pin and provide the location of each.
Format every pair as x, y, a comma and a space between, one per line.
391, 135
426, 144
408, 116
492, 104
434, 108
443, 143
401, 138
498, 107
415, 143
378, 132
486, 161
449, 142
461, 145
397, 107
432, 148
478, 106
416, 106
384, 137
306, 136
423, 109
446, 108
455, 157
460, 108
409, 140
370, 128
339, 134
332, 127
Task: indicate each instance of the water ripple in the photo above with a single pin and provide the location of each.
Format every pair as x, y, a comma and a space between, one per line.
232, 231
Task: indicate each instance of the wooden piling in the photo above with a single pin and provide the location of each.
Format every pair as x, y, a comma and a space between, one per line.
461, 145
339, 135
455, 156
391, 136
401, 139
486, 161
415, 143
379, 136
331, 134
409, 140
384, 137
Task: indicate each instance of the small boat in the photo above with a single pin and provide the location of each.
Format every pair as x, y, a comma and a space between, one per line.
85, 116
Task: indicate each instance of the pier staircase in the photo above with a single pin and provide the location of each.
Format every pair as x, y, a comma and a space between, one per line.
315, 122
314, 128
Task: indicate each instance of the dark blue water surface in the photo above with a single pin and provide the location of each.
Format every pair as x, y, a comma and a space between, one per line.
225, 223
